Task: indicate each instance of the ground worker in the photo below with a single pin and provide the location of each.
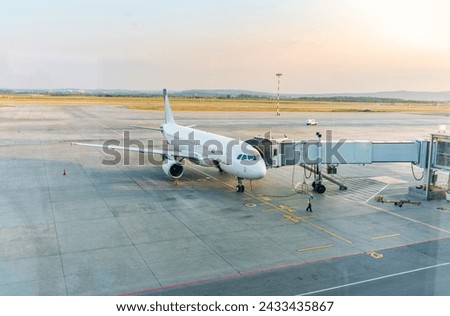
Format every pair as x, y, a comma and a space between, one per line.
309, 208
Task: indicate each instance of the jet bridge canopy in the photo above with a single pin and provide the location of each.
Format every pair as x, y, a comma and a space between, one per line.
264, 146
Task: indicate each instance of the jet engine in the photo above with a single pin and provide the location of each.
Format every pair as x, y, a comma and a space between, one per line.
173, 168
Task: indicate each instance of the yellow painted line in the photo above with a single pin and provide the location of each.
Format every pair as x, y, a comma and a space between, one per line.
291, 218
282, 209
315, 247
296, 219
375, 254
287, 208
385, 236
328, 232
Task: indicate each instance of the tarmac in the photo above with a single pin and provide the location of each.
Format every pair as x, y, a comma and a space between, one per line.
72, 225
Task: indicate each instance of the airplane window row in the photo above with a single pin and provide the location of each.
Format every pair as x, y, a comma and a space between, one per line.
246, 157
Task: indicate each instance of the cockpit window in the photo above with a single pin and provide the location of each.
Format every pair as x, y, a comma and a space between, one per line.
246, 157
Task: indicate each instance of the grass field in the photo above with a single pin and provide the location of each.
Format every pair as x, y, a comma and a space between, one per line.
212, 104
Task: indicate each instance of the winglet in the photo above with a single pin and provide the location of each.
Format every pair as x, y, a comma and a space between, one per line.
167, 110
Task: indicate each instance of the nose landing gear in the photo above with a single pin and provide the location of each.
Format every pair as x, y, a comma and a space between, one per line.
240, 187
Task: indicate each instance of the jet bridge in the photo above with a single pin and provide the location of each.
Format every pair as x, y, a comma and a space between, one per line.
316, 153
285, 152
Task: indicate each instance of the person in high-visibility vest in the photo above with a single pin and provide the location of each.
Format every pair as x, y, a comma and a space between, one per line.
309, 208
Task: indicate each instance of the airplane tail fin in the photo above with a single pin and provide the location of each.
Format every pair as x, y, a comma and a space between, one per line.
167, 110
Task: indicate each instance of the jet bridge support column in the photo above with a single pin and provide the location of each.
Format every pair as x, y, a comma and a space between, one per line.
317, 184
341, 185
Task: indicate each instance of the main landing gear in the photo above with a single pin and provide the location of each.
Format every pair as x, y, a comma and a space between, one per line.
217, 164
240, 187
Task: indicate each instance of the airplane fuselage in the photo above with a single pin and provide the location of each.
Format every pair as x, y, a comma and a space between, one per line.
208, 149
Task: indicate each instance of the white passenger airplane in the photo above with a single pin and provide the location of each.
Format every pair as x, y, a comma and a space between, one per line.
203, 148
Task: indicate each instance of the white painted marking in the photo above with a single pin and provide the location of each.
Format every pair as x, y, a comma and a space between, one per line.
409, 219
375, 279
388, 180
379, 191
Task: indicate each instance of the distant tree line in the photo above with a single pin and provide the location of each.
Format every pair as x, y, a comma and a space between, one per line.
226, 96
355, 99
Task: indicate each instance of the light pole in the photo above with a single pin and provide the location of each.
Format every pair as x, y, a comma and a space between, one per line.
278, 95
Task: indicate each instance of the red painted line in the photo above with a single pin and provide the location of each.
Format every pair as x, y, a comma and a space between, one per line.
235, 275
253, 272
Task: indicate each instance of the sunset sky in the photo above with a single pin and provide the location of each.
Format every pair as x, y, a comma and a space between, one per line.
320, 46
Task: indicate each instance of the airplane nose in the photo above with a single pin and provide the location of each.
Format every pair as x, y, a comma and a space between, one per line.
263, 169
260, 170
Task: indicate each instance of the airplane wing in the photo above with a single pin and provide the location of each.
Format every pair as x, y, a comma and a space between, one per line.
140, 150
155, 128
146, 127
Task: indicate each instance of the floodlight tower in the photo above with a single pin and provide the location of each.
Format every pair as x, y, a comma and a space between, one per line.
278, 95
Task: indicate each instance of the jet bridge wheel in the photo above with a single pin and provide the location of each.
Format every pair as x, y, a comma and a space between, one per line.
319, 187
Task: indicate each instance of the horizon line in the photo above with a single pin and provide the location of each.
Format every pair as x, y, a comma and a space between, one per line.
222, 90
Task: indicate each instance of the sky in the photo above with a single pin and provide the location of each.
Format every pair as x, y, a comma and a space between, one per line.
320, 46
